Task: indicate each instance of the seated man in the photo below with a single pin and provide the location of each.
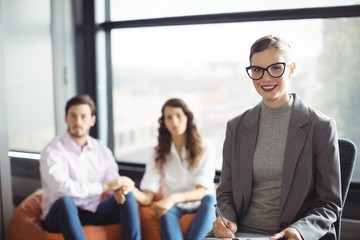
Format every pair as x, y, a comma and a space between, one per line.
76, 170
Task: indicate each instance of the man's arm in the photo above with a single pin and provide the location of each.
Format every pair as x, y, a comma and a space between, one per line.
56, 177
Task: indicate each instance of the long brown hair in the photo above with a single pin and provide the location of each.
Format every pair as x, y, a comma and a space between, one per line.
193, 146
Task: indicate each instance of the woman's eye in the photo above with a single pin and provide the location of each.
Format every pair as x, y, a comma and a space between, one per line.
276, 67
256, 69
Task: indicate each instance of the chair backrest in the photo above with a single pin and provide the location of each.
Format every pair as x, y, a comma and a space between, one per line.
347, 150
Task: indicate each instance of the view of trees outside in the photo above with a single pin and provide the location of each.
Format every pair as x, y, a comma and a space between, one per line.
205, 65
337, 73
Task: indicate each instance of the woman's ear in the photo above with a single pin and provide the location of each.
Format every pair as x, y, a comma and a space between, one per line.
292, 67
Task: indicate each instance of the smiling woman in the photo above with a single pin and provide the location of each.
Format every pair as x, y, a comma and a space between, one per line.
281, 140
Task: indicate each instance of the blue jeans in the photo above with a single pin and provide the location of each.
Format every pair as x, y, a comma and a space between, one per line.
65, 217
199, 227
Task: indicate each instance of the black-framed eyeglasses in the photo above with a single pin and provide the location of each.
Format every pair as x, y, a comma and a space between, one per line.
275, 70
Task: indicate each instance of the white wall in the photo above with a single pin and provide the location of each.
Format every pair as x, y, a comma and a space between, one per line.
5, 173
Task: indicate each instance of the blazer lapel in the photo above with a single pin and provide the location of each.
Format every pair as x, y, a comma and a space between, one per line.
247, 139
294, 145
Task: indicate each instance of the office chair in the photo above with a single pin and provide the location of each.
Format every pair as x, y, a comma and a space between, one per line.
347, 150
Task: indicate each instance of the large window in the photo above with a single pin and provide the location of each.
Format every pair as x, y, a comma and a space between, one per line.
204, 63
38, 70
28, 74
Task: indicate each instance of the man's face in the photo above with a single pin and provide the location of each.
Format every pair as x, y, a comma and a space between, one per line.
79, 120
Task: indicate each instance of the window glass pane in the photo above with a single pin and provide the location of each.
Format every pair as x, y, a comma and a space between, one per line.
29, 74
205, 65
142, 9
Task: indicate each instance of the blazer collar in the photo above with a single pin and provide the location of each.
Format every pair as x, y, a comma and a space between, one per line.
299, 115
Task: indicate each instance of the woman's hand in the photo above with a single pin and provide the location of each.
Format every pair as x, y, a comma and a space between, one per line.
222, 231
144, 197
289, 233
163, 205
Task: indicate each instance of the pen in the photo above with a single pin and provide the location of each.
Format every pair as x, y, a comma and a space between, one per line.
220, 214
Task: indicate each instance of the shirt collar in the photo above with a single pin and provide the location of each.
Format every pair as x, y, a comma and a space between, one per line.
175, 153
68, 141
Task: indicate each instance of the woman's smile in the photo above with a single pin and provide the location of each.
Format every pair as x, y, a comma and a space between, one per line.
268, 88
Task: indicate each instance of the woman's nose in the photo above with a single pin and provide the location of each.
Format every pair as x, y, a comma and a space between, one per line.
266, 76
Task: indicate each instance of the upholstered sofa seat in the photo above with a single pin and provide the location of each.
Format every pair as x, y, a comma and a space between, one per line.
25, 224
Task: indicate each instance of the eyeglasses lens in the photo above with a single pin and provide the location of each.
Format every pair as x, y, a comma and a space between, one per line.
275, 70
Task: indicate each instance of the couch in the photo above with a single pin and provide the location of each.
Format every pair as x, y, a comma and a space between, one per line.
25, 224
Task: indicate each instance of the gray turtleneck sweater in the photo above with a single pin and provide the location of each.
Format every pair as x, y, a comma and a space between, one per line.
264, 210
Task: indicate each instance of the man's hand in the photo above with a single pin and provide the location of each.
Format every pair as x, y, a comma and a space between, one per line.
127, 184
124, 183
289, 233
222, 231
112, 185
119, 196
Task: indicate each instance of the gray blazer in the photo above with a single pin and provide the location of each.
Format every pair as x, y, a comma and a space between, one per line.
310, 195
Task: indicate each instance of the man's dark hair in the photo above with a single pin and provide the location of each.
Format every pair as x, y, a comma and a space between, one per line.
81, 99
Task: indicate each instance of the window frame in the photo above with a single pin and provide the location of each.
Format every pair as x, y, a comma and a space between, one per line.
253, 16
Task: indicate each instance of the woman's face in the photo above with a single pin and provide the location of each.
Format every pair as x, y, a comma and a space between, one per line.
175, 120
273, 90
